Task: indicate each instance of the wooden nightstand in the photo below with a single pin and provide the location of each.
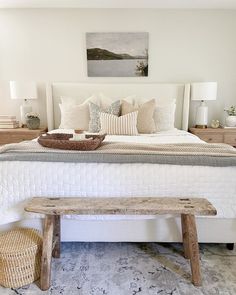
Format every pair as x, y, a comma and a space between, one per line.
19, 134
218, 135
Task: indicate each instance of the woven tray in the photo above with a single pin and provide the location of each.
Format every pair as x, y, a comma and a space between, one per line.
61, 141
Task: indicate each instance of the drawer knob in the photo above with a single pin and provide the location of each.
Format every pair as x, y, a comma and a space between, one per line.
210, 139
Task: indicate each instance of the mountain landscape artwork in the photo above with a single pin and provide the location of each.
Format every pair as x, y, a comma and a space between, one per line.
117, 54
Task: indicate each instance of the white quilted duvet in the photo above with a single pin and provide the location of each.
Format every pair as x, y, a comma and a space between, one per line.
20, 181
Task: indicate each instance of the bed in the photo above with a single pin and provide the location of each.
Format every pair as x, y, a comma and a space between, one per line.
22, 180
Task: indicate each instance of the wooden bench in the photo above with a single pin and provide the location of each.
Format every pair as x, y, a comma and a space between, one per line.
53, 208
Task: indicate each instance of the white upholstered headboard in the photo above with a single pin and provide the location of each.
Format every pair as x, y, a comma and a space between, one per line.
180, 92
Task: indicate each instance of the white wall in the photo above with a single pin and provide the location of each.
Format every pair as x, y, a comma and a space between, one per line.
185, 45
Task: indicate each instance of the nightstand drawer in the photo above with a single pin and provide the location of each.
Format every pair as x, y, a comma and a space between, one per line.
12, 138
212, 137
19, 134
230, 139
219, 135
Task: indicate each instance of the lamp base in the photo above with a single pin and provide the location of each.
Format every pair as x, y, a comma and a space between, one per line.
201, 126
24, 109
202, 115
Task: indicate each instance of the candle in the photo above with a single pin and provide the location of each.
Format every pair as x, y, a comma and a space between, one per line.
78, 137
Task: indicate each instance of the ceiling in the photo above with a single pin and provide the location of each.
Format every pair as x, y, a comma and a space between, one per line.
165, 4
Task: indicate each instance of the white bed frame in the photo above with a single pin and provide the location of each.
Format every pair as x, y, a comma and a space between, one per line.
160, 229
180, 92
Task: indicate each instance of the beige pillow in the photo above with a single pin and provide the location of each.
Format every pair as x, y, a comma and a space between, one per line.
145, 122
74, 116
123, 125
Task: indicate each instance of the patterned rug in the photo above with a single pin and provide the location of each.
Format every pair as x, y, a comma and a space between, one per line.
136, 268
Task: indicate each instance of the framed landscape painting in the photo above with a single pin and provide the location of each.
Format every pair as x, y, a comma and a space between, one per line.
117, 54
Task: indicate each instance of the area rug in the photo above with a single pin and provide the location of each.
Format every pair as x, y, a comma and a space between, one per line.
136, 268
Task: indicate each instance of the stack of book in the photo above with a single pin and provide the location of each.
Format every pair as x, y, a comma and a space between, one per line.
8, 122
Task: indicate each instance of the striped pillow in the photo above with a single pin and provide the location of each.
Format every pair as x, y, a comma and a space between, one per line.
123, 125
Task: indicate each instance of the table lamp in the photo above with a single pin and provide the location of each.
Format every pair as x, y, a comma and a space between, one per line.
203, 91
23, 90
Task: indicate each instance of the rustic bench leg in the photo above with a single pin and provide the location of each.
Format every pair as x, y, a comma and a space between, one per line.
185, 236
193, 249
57, 237
47, 252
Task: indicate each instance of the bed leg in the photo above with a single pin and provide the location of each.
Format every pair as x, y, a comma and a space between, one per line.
230, 246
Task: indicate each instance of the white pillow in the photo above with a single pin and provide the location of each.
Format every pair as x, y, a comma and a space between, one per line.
106, 101
123, 125
77, 101
164, 116
159, 101
165, 102
74, 116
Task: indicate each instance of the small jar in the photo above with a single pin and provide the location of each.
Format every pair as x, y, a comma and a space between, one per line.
230, 121
215, 124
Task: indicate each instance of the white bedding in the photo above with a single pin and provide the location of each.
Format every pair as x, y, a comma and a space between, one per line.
171, 136
22, 180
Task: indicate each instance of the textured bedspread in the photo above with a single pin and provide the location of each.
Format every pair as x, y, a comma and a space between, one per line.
218, 155
24, 179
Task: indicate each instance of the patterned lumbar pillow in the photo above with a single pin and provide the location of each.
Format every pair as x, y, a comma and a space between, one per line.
145, 122
123, 125
95, 124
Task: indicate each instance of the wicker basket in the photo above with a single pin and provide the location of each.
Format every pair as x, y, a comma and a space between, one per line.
20, 257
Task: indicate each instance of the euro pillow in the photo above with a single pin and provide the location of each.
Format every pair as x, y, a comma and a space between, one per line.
123, 125
164, 116
106, 101
74, 116
77, 101
145, 122
95, 124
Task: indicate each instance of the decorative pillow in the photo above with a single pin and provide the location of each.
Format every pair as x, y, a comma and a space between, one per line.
77, 101
123, 125
95, 124
145, 122
164, 116
74, 116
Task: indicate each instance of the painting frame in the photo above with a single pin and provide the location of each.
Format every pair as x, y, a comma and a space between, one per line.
117, 54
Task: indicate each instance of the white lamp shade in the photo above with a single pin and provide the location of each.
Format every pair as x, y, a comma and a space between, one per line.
204, 91
23, 90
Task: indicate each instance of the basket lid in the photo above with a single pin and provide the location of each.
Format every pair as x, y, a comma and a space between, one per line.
19, 239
